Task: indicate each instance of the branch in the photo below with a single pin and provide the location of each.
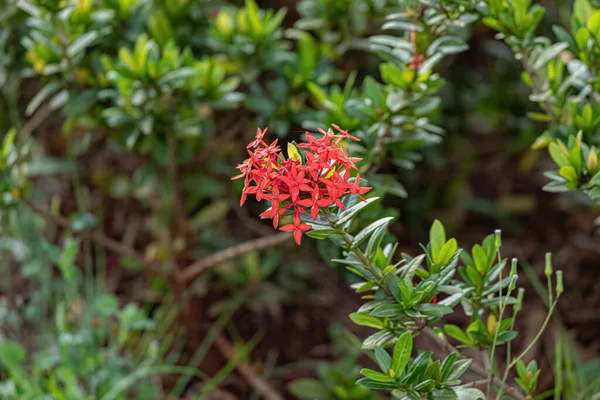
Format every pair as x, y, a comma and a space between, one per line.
261, 386
193, 270
99, 238
474, 367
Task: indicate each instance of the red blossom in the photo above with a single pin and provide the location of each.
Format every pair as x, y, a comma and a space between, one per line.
291, 184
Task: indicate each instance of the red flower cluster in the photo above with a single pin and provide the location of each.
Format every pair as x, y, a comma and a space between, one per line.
291, 184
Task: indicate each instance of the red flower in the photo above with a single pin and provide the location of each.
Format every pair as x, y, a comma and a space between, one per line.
291, 185
297, 227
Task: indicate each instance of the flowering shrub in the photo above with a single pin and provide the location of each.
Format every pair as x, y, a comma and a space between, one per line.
404, 300
318, 177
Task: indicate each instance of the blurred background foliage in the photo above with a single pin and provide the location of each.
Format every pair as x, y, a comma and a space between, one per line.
122, 122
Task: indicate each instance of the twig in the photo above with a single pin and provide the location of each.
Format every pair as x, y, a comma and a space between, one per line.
193, 270
261, 386
480, 382
474, 367
99, 238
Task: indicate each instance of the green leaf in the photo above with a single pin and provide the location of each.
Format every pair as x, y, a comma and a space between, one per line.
375, 385
468, 394
402, 350
365, 319
308, 389
12, 354
549, 54
443, 394
178, 74
106, 305
383, 358
447, 252
82, 221
505, 337
433, 310
447, 45
376, 376
559, 154
81, 43
568, 173
474, 276
457, 370
480, 258
348, 214
388, 311
455, 332
437, 239
66, 262
362, 235
447, 366
401, 25
45, 92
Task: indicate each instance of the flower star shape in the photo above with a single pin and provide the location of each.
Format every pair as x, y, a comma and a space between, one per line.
260, 134
296, 182
315, 202
297, 227
274, 211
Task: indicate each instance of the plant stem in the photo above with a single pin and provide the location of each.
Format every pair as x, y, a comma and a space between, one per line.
474, 367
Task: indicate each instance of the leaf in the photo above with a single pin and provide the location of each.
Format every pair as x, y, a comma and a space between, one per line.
82, 221
376, 376
505, 337
434, 310
480, 258
388, 311
383, 358
346, 215
401, 355
458, 369
437, 238
362, 235
443, 394
447, 45
447, 252
380, 338
455, 332
402, 25
447, 366
569, 173
12, 354
468, 394
66, 262
42, 95
364, 319
178, 74
497, 286
375, 385
106, 305
81, 43
308, 389
549, 54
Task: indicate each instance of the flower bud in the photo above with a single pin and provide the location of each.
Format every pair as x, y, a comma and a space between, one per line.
592, 161
492, 324
559, 283
224, 24
513, 267
498, 238
517, 306
548, 269
541, 143
513, 282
